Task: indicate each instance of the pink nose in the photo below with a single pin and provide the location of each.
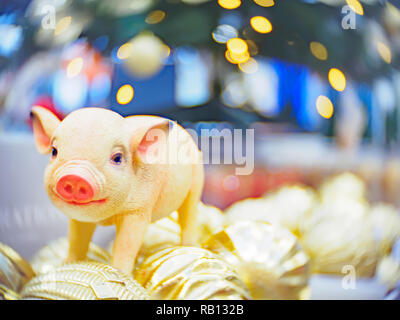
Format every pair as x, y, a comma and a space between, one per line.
74, 188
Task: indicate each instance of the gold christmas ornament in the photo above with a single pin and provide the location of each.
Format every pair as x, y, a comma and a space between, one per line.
54, 255
267, 257
344, 185
15, 271
189, 273
84, 281
287, 206
385, 220
144, 54
340, 234
8, 294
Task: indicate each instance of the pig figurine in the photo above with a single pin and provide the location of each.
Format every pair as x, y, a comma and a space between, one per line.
105, 169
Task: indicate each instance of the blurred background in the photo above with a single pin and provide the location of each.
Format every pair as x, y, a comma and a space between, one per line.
318, 81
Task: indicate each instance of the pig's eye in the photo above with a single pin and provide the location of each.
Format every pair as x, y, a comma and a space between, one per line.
54, 152
117, 158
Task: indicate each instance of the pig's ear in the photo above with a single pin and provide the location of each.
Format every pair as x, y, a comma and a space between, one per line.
149, 144
44, 123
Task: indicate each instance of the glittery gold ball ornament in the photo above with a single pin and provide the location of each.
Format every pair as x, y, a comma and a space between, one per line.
54, 254
344, 185
287, 206
385, 220
340, 234
84, 281
189, 273
8, 294
15, 271
145, 54
268, 258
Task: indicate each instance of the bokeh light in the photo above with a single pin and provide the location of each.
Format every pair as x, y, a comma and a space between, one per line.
74, 67
229, 4
318, 50
265, 3
324, 107
155, 16
62, 25
237, 45
261, 24
125, 94
249, 66
337, 79
356, 6
384, 52
124, 51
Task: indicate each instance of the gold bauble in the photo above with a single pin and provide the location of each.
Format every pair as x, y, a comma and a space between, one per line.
287, 206
340, 234
8, 294
145, 55
15, 271
54, 254
189, 273
344, 185
385, 220
84, 281
268, 258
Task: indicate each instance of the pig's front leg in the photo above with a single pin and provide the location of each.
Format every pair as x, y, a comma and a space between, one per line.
79, 237
131, 229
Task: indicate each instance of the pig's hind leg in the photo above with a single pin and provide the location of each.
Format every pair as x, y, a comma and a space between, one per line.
187, 212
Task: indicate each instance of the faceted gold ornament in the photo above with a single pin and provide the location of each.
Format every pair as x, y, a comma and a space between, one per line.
287, 206
340, 234
189, 273
15, 271
84, 281
54, 255
267, 257
8, 294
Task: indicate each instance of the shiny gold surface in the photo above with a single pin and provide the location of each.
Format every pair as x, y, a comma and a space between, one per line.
185, 273
54, 254
15, 271
267, 257
340, 234
385, 220
84, 281
8, 294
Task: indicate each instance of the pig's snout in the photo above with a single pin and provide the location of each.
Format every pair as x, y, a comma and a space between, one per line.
76, 188
78, 181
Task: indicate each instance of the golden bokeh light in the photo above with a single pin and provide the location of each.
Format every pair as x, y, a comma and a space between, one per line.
261, 24
229, 4
74, 67
337, 79
384, 52
356, 6
249, 66
236, 58
62, 25
237, 45
265, 3
124, 51
318, 50
324, 107
125, 94
155, 16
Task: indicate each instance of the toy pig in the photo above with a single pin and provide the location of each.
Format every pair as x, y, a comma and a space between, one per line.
106, 169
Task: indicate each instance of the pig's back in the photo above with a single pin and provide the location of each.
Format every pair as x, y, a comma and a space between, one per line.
178, 181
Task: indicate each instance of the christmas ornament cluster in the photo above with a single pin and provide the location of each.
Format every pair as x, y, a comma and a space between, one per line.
259, 248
